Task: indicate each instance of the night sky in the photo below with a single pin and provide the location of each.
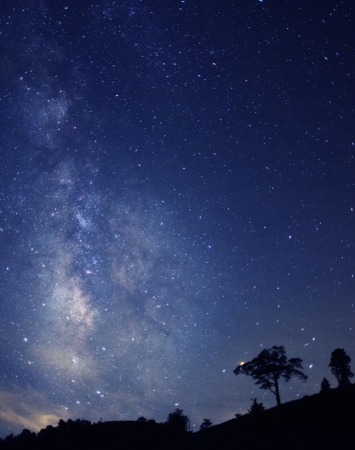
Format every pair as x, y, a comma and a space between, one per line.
177, 194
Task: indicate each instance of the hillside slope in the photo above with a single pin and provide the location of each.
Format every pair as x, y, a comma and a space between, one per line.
322, 421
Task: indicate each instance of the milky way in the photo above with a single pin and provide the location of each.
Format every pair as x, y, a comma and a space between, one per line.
108, 308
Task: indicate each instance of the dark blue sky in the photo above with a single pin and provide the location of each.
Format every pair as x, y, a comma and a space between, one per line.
177, 194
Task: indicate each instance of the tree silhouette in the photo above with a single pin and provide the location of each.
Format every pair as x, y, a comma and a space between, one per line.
325, 385
256, 408
205, 424
271, 365
177, 421
340, 366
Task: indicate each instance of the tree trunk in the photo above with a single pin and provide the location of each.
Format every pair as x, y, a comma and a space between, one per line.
277, 392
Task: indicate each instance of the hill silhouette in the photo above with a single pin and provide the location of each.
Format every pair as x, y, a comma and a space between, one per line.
321, 421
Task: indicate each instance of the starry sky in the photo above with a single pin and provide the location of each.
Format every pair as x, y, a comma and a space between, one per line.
177, 193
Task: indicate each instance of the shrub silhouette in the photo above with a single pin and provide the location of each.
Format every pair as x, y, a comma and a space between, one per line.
177, 421
205, 424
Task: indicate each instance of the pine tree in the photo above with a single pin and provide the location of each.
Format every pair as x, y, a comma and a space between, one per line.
325, 385
256, 408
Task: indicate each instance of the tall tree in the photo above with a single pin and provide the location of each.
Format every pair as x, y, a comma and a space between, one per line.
271, 365
340, 366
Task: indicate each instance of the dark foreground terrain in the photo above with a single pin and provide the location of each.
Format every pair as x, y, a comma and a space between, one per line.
322, 421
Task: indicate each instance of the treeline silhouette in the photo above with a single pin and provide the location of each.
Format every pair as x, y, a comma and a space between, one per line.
82, 434
324, 420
